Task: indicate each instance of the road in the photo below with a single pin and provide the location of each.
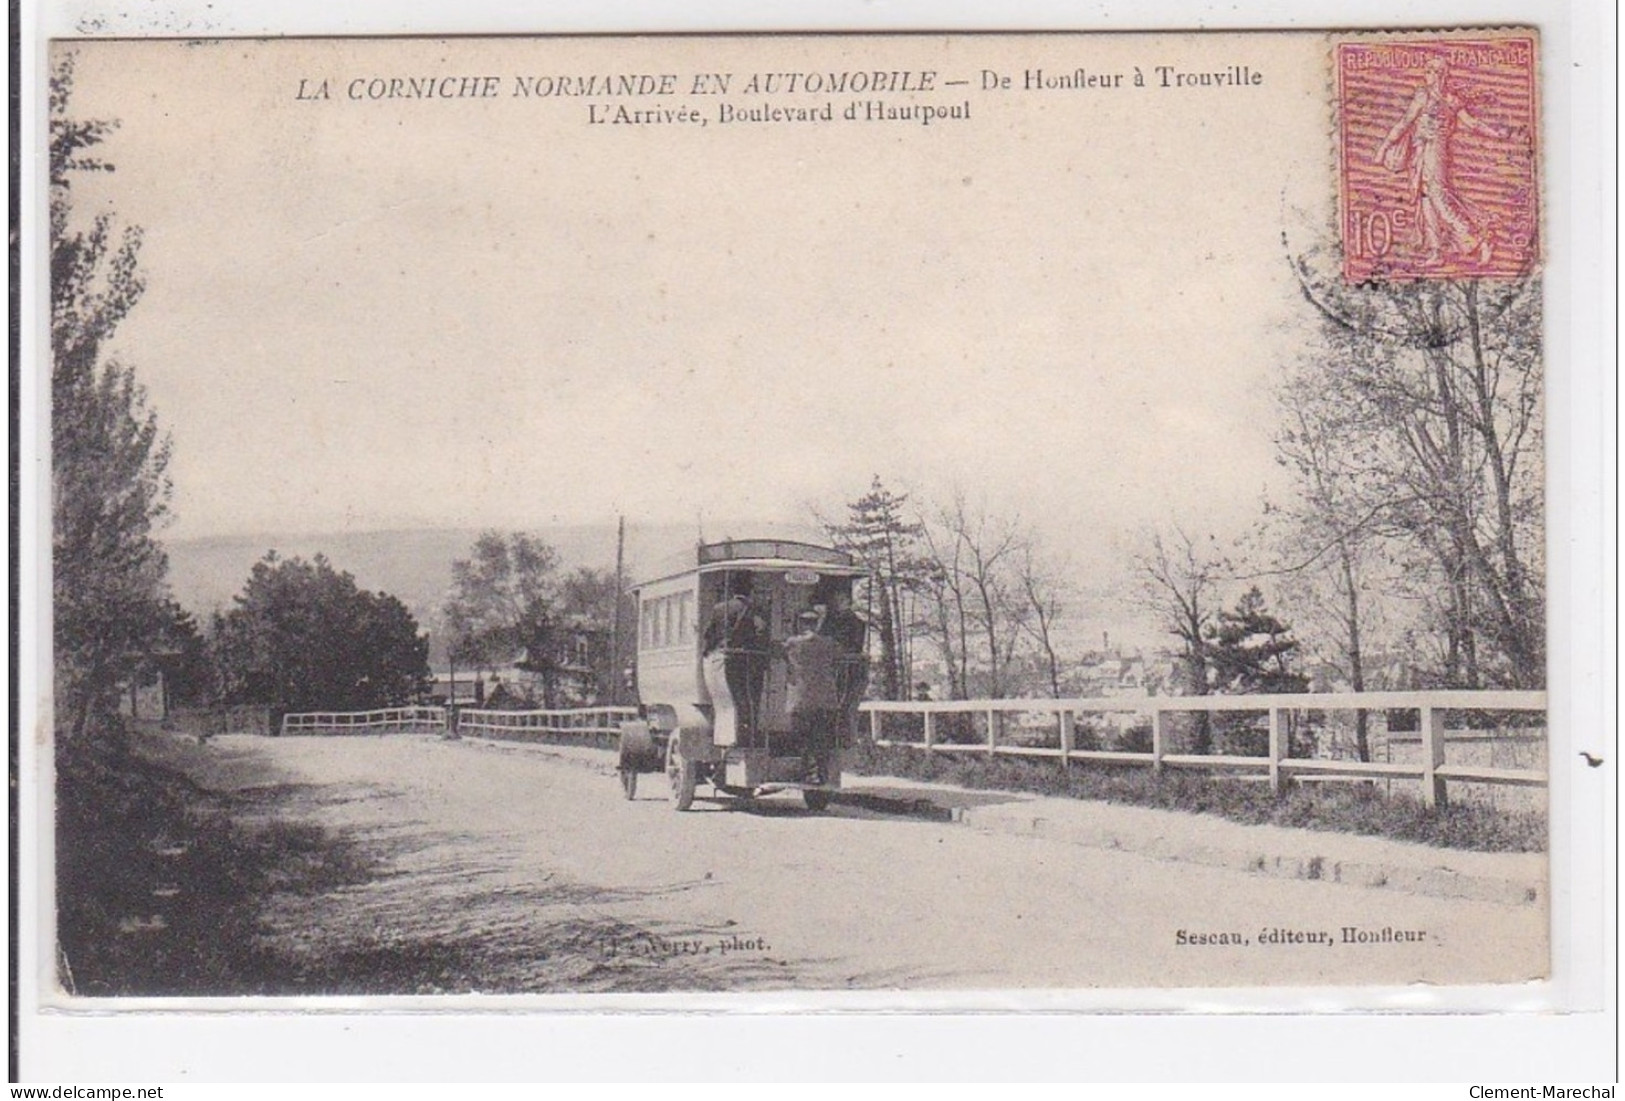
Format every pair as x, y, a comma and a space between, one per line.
501, 868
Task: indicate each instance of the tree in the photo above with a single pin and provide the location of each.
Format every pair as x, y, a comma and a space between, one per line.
183, 658
1250, 652
303, 636
503, 601
109, 458
1045, 595
946, 621
980, 607
587, 596
1328, 547
1440, 382
1179, 584
879, 532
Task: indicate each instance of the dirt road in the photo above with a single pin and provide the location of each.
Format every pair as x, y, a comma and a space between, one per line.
495, 868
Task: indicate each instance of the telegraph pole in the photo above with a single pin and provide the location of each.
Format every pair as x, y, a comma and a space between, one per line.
616, 673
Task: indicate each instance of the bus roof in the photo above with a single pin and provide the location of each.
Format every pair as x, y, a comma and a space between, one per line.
766, 555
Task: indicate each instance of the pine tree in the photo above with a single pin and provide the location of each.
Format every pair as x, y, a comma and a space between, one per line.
1250, 652
880, 535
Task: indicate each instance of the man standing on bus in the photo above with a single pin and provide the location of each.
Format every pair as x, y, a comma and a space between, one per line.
811, 660
850, 634
737, 630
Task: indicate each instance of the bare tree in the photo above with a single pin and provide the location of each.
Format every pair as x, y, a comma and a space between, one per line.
977, 609
1180, 582
1439, 385
1045, 591
1327, 539
981, 572
947, 619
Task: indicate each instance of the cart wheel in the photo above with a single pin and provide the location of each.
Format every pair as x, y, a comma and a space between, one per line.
682, 772
815, 799
629, 783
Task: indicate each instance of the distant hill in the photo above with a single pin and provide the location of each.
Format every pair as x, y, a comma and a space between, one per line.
415, 565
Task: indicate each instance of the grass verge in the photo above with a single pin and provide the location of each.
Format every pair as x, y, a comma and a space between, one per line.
158, 888
167, 888
1346, 807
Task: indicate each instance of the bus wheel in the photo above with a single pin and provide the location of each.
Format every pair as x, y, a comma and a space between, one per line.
683, 773
629, 783
815, 799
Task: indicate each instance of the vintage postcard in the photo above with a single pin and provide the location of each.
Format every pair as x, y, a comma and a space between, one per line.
614, 520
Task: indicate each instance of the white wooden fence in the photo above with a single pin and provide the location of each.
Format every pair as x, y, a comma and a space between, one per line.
390, 720
575, 721
1437, 709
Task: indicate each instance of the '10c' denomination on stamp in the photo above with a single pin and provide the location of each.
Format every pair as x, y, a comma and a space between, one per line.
1437, 158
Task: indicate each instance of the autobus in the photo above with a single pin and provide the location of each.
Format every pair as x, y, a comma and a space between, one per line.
750, 667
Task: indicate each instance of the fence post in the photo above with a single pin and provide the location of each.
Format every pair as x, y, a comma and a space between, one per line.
1067, 719
1278, 749
874, 726
930, 729
992, 733
1433, 790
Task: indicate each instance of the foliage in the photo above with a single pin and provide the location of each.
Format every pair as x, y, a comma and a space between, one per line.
182, 655
1251, 652
1333, 565
501, 596
587, 598
1046, 592
880, 533
304, 637
109, 458
1180, 578
509, 601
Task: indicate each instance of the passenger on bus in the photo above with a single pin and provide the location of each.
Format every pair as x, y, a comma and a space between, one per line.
736, 629
812, 697
850, 634
843, 624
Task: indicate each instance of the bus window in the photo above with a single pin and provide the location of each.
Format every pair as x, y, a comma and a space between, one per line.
685, 619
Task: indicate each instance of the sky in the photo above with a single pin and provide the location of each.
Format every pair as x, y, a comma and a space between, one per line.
489, 312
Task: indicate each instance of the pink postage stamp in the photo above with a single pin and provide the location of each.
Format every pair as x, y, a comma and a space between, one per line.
1437, 157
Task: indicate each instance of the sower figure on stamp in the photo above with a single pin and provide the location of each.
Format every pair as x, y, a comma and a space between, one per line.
813, 701
1420, 144
736, 633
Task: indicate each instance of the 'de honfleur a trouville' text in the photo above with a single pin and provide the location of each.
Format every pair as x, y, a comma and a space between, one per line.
920, 96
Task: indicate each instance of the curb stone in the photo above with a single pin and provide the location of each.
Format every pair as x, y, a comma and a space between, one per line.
1437, 882
1412, 878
